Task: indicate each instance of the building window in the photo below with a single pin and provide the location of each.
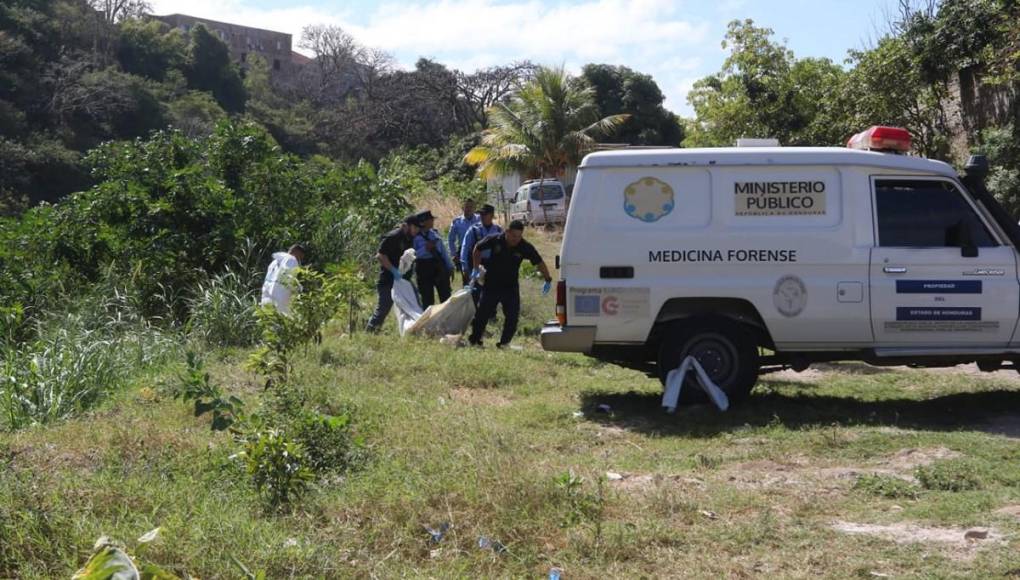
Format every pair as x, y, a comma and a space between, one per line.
276, 64
244, 57
279, 45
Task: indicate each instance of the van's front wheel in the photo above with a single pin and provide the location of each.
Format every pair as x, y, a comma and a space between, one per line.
725, 350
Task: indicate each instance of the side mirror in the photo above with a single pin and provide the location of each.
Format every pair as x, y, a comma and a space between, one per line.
961, 235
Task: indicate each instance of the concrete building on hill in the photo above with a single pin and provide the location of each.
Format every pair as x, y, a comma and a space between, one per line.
244, 42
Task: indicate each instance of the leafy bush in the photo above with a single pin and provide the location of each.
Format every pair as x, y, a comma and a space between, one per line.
276, 465
195, 386
328, 442
949, 476
582, 505
1003, 150
885, 486
318, 301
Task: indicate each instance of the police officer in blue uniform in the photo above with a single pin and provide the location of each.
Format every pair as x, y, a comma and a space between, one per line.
393, 245
432, 265
458, 229
476, 233
501, 281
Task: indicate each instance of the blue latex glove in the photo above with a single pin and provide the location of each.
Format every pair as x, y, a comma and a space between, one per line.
396, 273
546, 287
475, 273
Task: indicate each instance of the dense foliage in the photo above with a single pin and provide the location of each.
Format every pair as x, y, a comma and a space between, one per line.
917, 75
620, 90
170, 211
70, 78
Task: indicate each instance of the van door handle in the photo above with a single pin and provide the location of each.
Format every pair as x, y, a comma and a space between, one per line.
894, 270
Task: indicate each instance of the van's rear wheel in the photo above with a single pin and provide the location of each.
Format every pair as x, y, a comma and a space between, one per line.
725, 349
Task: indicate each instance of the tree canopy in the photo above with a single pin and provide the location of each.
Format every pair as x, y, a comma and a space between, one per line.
548, 125
621, 90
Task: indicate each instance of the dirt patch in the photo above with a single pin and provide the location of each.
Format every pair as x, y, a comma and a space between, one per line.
852, 474
805, 376
911, 459
641, 482
480, 397
959, 542
1010, 510
800, 473
765, 473
50, 457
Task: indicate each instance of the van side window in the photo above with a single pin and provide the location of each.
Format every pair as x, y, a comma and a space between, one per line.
926, 214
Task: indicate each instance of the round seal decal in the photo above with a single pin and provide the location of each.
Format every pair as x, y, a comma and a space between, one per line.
648, 199
790, 296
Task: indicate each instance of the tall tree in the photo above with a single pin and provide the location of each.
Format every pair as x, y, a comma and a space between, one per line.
343, 65
886, 86
209, 69
150, 48
548, 125
619, 89
485, 87
763, 91
118, 10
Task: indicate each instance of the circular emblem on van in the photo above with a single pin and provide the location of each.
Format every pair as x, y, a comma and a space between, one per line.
790, 296
648, 199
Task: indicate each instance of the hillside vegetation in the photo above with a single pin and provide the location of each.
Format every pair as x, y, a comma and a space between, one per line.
144, 183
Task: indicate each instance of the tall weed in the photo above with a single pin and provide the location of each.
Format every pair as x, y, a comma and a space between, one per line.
78, 357
223, 310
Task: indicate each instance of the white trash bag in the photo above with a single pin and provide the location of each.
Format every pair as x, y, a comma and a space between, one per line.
450, 317
675, 380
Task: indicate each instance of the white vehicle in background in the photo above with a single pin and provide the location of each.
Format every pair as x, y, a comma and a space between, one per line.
763, 258
540, 202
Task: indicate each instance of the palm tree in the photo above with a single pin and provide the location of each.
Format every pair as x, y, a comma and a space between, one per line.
548, 124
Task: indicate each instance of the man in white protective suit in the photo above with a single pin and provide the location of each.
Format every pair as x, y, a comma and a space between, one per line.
280, 285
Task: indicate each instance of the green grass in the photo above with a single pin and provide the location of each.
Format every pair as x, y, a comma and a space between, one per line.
481, 439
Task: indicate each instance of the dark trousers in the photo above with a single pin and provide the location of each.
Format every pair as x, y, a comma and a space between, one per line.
384, 287
510, 298
432, 275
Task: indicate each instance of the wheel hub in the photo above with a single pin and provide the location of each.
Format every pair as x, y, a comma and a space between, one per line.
716, 357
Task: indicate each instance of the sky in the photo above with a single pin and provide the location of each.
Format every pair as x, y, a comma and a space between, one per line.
677, 42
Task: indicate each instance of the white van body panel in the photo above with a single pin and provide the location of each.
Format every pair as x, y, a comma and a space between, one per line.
704, 224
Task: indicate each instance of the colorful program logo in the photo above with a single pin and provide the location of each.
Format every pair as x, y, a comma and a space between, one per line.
648, 199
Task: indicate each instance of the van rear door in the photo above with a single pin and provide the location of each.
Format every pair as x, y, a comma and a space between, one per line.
938, 275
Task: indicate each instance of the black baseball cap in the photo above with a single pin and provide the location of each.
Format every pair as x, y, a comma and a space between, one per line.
487, 208
424, 216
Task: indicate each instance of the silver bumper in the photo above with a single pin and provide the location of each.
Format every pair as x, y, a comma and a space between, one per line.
567, 338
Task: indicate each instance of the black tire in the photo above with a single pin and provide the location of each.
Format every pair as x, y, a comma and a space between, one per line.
726, 349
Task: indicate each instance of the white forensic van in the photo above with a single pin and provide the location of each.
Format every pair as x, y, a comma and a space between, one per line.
813, 254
